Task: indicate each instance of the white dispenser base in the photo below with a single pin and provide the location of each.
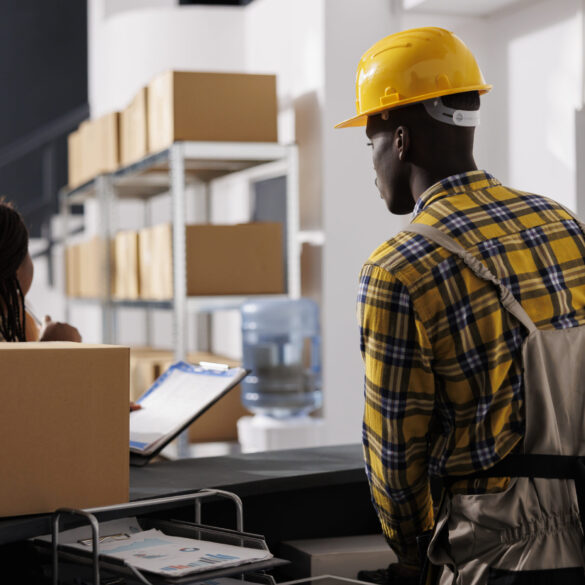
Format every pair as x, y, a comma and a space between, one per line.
264, 433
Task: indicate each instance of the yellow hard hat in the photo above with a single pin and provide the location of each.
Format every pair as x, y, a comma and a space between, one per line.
412, 66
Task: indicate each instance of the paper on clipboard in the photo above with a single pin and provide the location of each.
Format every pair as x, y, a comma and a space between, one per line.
177, 397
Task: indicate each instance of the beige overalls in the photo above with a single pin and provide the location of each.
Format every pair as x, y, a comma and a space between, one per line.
534, 524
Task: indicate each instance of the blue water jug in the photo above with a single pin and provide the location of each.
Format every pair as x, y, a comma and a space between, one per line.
281, 347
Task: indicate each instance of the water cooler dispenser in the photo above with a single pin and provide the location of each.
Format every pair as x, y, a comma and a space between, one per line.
281, 347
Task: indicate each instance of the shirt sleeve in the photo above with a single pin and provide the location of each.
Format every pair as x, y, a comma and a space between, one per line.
399, 401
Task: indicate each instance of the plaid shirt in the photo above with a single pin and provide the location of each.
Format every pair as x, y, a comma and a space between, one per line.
443, 383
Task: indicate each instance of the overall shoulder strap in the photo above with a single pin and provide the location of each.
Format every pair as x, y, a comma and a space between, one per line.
479, 269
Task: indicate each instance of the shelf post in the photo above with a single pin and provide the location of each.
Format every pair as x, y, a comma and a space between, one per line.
105, 196
64, 227
293, 245
177, 171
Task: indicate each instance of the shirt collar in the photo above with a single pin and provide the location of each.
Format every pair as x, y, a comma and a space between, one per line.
469, 181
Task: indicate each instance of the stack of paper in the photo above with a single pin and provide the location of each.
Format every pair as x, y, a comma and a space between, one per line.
159, 553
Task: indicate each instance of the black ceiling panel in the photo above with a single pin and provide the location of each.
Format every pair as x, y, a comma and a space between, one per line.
216, 2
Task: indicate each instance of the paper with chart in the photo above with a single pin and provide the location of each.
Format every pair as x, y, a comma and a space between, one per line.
154, 551
176, 398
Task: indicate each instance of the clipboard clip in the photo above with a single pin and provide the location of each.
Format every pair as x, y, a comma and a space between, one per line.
214, 366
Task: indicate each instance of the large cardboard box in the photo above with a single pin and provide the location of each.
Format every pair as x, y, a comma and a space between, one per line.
219, 423
126, 268
240, 259
211, 106
64, 426
243, 259
134, 129
341, 556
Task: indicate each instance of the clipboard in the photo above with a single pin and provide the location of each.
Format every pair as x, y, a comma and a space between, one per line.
175, 400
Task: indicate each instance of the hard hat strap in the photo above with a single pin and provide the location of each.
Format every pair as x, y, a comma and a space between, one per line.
439, 111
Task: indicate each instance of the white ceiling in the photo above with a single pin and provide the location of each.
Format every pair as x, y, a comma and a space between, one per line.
460, 7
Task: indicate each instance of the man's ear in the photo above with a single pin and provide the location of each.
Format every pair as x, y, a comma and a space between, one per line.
402, 142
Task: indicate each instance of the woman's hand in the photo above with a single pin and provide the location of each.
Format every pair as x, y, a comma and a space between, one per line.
57, 331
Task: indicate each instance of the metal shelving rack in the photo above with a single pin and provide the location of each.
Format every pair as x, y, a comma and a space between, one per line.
170, 171
92, 557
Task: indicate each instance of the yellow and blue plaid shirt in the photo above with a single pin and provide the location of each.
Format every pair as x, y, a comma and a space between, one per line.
443, 379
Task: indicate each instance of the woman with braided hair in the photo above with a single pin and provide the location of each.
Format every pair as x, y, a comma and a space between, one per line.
16, 275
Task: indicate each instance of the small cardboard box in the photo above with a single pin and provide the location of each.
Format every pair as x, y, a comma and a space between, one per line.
91, 268
239, 259
219, 423
155, 257
93, 149
231, 107
72, 276
341, 556
100, 145
74, 157
64, 425
126, 267
134, 129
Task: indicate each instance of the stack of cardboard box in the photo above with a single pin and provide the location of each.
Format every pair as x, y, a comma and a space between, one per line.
176, 105
240, 259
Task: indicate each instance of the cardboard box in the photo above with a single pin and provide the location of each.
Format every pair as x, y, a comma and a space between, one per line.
155, 257
340, 556
231, 107
240, 259
92, 268
74, 160
93, 149
126, 267
134, 129
72, 266
104, 148
64, 425
219, 423
85, 269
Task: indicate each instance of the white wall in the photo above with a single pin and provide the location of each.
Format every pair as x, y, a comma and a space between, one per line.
354, 217
537, 68
128, 48
286, 37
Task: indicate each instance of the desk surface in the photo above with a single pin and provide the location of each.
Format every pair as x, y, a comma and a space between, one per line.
251, 474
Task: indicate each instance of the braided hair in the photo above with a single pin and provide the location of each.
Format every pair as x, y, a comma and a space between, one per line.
13, 250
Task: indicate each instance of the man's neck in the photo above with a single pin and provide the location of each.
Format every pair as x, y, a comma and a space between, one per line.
422, 179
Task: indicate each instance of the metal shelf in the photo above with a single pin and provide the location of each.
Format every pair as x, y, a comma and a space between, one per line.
194, 304
203, 161
170, 171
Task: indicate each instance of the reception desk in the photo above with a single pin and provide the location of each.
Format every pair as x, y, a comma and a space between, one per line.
300, 493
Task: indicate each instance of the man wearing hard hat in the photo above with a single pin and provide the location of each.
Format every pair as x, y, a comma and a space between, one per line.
464, 318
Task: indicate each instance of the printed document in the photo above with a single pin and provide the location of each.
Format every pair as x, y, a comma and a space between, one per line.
156, 552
